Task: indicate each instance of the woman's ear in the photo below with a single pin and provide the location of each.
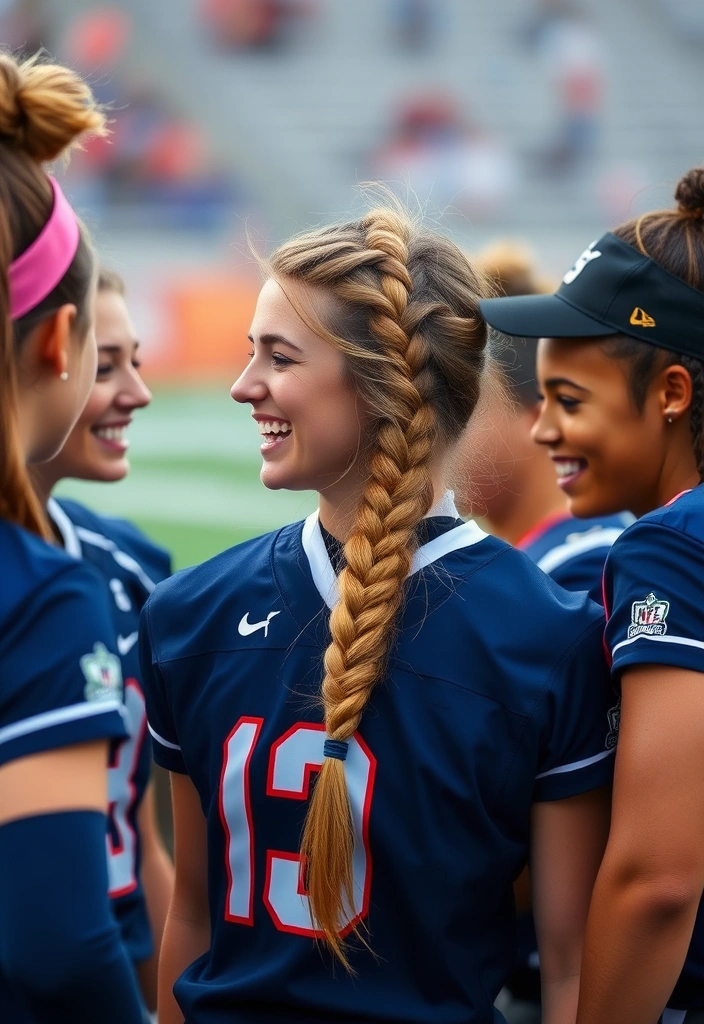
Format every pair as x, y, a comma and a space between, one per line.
674, 391
53, 338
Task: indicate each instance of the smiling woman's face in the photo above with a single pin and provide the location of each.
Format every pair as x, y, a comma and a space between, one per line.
608, 455
97, 447
302, 398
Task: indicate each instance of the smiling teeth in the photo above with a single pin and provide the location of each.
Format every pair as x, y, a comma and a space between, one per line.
111, 433
567, 468
275, 427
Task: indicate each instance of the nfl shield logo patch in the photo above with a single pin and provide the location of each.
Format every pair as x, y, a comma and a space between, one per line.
103, 675
648, 617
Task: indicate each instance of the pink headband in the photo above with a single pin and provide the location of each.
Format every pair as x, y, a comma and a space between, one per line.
38, 270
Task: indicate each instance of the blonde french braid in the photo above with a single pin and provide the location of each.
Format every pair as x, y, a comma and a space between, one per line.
378, 554
409, 325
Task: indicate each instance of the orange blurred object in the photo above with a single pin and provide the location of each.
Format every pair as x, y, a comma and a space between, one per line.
205, 321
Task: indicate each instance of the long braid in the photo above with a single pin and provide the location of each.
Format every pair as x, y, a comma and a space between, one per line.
378, 554
402, 307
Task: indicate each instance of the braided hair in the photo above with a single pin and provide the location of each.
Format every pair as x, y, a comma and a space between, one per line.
406, 317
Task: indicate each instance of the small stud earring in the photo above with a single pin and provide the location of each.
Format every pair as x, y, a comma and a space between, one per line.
64, 375
669, 419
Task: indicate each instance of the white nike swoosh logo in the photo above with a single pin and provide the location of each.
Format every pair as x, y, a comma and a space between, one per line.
126, 643
246, 627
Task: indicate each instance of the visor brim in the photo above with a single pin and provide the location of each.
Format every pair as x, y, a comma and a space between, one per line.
541, 316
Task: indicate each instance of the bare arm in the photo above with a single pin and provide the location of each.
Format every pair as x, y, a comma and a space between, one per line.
158, 883
187, 931
568, 840
651, 879
66, 779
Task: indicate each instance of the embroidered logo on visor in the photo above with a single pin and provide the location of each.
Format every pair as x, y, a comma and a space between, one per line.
587, 256
639, 318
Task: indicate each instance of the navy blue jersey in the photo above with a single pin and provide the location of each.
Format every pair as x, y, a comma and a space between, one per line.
131, 565
496, 695
60, 679
573, 551
653, 592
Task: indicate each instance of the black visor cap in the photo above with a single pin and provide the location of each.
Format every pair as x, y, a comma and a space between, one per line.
611, 289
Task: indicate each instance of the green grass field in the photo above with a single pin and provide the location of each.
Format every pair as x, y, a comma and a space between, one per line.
194, 485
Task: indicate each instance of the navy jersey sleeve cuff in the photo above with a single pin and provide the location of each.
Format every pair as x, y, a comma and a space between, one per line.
165, 745
572, 779
167, 754
581, 726
677, 651
62, 727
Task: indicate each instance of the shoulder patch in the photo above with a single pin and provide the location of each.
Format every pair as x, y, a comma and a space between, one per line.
648, 617
103, 675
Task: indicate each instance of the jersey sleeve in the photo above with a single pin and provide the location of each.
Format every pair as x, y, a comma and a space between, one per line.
165, 744
653, 586
580, 727
62, 682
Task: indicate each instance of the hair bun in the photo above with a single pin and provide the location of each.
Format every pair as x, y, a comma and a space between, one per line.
44, 108
690, 193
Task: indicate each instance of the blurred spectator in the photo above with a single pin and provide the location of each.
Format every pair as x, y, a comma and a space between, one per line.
414, 24
433, 151
155, 159
572, 52
253, 24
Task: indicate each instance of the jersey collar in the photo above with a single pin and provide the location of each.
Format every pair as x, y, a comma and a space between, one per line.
72, 545
323, 573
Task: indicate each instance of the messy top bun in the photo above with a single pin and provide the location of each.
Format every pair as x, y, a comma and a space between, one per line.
690, 193
674, 238
44, 110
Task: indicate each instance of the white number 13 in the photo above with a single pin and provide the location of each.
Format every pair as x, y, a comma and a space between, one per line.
292, 760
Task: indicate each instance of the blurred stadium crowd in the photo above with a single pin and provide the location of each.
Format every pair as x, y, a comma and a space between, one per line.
234, 120
501, 115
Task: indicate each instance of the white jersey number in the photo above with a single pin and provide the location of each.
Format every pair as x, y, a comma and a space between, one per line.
292, 760
122, 794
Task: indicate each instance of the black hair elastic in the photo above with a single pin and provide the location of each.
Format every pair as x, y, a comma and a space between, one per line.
336, 749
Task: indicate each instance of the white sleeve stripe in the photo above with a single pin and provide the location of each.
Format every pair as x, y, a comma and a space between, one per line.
160, 739
603, 538
683, 641
576, 765
47, 719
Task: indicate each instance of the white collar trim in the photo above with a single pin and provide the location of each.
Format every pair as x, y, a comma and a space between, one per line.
72, 545
323, 574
